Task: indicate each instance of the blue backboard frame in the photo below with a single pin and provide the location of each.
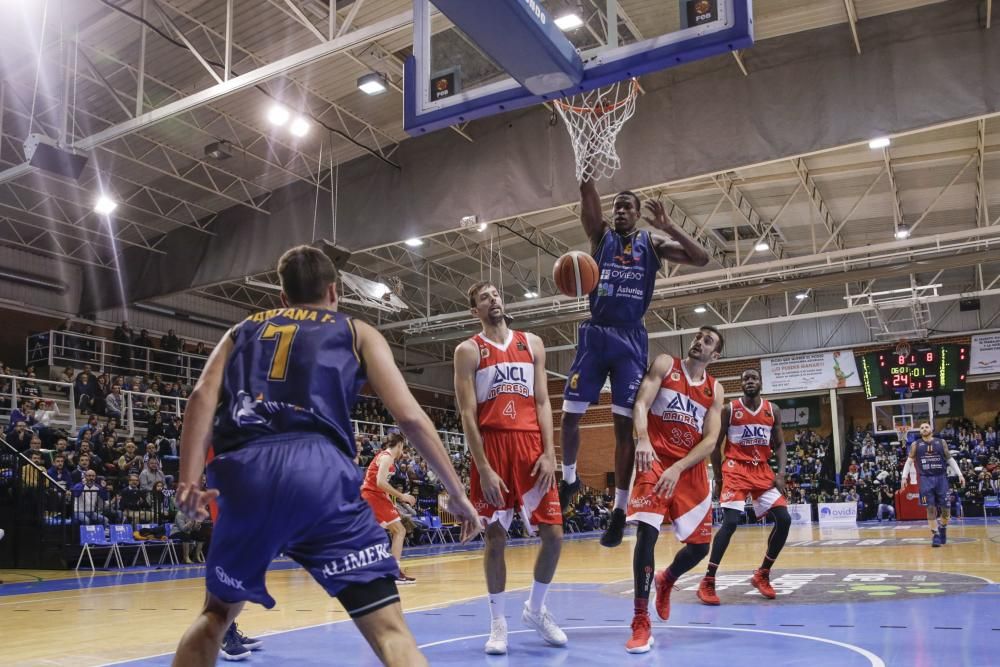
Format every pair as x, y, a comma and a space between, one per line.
732, 31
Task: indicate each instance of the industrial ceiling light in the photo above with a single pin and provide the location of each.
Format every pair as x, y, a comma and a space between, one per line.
105, 205
700, 309
568, 20
879, 142
414, 242
299, 127
481, 227
902, 232
801, 296
372, 83
278, 115
218, 150
531, 295
762, 247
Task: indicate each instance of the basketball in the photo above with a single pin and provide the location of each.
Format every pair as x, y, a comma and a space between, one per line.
575, 273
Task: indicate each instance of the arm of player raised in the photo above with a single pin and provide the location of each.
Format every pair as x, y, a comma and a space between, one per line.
591, 214
679, 247
778, 445
196, 437
644, 454
545, 467
720, 445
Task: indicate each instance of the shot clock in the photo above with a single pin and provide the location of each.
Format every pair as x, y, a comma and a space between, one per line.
924, 370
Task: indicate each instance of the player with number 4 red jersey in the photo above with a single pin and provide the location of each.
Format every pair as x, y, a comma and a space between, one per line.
503, 398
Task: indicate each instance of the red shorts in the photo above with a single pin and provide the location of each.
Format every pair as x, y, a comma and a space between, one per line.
689, 508
512, 455
741, 479
383, 507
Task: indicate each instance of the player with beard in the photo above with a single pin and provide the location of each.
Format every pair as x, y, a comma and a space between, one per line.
751, 430
503, 399
613, 341
677, 416
931, 457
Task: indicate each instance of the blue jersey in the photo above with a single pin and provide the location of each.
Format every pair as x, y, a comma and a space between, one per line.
291, 370
931, 457
628, 266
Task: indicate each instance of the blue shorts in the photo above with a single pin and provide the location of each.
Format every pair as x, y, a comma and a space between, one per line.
934, 490
620, 352
294, 494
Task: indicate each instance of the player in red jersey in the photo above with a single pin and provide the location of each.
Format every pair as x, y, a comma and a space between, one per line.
503, 398
378, 493
677, 416
751, 430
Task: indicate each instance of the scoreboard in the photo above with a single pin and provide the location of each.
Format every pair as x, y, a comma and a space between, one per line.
925, 370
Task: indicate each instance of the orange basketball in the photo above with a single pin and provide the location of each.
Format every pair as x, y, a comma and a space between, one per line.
575, 273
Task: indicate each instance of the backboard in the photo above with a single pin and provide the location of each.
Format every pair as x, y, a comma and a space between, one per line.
475, 58
892, 417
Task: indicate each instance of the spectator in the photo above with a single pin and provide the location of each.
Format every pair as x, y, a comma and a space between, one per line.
30, 387
170, 357
20, 439
143, 355
125, 337
35, 447
114, 403
151, 475
25, 413
60, 473
130, 462
68, 377
89, 499
161, 502
31, 473
135, 502
82, 468
85, 388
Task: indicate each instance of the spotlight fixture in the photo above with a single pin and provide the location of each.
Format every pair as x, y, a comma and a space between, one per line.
414, 242
531, 295
278, 115
372, 83
481, 227
105, 205
902, 232
568, 21
700, 309
299, 127
218, 150
762, 247
879, 142
801, 296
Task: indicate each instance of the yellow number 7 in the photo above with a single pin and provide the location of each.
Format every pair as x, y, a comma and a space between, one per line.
284, 334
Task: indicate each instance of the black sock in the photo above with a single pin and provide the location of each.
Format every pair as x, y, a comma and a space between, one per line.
767, 563
643, 562
776, 540
712, 569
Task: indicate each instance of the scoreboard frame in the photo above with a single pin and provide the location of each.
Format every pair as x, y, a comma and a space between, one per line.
923, 371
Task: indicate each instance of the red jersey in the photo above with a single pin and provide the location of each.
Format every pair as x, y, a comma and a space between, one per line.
749, 436
370, 484
505, 384
677, 415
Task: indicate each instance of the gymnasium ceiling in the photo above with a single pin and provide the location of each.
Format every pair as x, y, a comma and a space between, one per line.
823, 211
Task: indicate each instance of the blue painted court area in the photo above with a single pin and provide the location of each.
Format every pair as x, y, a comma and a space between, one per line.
844, 619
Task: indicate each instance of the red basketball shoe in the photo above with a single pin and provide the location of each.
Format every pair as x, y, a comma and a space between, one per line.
662, 594
761, 580
642, 636
706, 592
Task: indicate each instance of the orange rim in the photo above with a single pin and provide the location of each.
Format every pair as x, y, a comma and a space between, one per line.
602, 109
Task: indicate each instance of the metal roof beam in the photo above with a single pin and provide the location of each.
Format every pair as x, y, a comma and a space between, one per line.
742, 205
982, 201
817, 201
852, 20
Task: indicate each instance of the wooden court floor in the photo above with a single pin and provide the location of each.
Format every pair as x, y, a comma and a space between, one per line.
56, 618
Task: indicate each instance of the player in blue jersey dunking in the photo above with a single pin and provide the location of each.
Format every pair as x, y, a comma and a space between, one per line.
930, 456
613, 341
279, 388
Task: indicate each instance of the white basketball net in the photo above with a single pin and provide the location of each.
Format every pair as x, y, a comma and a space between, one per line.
593, 120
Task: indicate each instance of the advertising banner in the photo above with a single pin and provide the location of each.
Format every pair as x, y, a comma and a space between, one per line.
800, 513
985, 356
809, 372
838, 513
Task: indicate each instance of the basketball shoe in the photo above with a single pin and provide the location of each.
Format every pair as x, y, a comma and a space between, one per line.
943, 532
404, 580
612, 537
761, 580
497, 643
642, 635
544, 625
232, 650
663, 589
567, 492
252, 643
706, 592
936, 541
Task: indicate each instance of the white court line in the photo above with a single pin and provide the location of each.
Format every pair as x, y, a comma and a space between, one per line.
436, 605
873, 659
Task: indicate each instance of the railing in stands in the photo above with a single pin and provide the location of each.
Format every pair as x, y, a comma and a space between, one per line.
65, 348
55, 411
138, 409
452, 440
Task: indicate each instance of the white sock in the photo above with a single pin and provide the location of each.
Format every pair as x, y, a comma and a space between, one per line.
569, 472
621, 499
498, 608
537, 596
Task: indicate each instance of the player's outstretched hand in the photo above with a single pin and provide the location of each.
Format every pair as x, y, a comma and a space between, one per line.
493, 487
668, 482
468, 517
193, 500
657, 215
408, 499
545, 471
644, 454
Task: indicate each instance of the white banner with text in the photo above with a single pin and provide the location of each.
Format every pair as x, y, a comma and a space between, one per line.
809, 372
838, 513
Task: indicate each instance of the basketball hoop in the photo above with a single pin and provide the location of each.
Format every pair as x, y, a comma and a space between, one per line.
593, 120
903, 348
